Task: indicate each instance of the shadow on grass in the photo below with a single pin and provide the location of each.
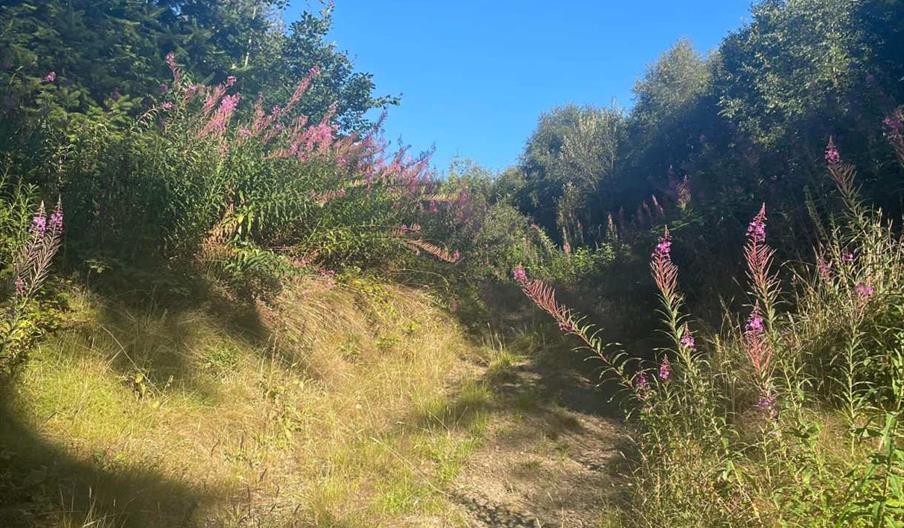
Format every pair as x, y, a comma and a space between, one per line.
149, 325
557, 372
41, 485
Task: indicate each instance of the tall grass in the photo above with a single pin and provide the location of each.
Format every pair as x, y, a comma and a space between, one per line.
337, 411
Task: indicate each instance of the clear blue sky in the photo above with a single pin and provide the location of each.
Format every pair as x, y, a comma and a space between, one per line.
474, 75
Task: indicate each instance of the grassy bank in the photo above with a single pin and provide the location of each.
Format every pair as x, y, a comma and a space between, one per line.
330, 407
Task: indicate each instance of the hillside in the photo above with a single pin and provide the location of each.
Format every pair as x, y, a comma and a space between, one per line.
348, 402
229, 298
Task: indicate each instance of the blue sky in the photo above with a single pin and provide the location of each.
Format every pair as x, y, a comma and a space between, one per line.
474, 76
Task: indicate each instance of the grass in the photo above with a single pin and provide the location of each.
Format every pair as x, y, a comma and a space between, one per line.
331, 407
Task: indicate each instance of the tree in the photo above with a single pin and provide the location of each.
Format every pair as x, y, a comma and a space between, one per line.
305, 46
102, 50
674, 115
794, 66
566, 164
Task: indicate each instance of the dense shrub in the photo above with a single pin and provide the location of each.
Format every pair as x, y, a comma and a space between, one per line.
191, 181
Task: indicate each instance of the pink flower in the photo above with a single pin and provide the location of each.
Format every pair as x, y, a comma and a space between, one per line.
50, 77
664, 247
848, 258
519, 274
230, 81
864, 291
759, 350
767, 403
755, 326
665, 369
167, 105
56, 218
217, 123
832, 155
228, 104
665, 272
756, 230
39, 224
758, 255
567, 327
642, 385
687, 339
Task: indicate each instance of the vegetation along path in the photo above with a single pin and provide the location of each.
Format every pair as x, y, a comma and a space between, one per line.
229, 300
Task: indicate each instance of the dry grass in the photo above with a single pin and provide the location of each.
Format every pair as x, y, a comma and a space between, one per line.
328, 409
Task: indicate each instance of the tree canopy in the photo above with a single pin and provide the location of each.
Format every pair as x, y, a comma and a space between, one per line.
99, 51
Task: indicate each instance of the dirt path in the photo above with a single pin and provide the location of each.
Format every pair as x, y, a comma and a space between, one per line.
549, 458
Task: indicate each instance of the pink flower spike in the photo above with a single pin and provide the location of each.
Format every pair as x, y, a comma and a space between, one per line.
665, 369
519, 274
756, 231
642, 385
687, 339
832, 155
39, 224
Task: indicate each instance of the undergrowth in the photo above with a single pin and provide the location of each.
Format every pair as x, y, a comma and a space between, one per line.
790, 415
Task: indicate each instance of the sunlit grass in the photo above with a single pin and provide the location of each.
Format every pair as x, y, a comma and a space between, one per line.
332, 420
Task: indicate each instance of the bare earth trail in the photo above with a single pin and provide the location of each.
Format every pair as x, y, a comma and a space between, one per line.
551, 463
552, 447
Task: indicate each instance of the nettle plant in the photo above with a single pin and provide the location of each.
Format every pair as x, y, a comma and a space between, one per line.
730, 432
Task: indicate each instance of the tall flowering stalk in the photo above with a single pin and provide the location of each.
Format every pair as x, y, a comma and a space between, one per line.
758, 255
216, 125
859, 268
544, 297
684, 346
32, 265
665, 274
680, 190
611, 229
757, 345
31, 268
758, 335
842, 174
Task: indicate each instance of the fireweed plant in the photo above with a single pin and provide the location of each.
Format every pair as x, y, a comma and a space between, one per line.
745, 428
206, 177
30, 268
352, 171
